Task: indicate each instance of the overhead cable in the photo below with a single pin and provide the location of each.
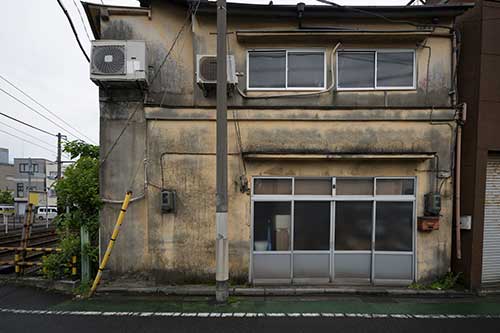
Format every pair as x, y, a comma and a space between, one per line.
46, 109
73, 29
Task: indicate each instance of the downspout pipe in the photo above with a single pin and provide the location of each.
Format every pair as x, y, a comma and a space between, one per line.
460, 122
461, 110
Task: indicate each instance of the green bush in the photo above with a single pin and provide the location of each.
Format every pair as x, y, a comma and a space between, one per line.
78, 190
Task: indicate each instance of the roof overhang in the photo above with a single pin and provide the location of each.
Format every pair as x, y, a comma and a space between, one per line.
326, 11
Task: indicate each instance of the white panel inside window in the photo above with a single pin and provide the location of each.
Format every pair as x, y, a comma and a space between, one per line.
306, 69
267, 69
395, 69
356, 69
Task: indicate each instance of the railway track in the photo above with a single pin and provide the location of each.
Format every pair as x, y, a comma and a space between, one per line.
40, 237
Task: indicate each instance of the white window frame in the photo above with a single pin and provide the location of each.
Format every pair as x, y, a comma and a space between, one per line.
375, 86
286, 88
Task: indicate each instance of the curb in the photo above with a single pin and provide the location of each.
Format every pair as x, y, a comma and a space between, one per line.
63, 286
283, 291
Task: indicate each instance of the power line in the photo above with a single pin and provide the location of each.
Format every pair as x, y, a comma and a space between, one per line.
27, 141
25, 133
81, 18
26, 124
155, 75
46, 109
32, 109
73, 29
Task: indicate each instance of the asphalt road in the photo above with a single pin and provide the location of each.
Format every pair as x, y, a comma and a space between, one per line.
14, 297
74, 324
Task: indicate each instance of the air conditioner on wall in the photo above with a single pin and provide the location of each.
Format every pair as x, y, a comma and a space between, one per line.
206, 72
120, 63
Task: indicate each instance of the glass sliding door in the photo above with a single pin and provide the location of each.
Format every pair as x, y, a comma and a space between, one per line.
311, 240
353, 240
347, 230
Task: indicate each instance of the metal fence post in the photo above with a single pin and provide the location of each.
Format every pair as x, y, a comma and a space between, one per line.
85, 260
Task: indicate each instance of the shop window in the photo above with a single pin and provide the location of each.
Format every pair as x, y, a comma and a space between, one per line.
354, 186
393, 231
313, 186
272, 186
395, 187
272, 225
353, 225
311, 230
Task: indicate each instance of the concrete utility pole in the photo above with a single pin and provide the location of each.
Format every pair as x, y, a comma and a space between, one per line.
30, 170
222, 260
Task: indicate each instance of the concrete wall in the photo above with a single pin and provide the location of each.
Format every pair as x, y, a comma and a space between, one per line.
173, 138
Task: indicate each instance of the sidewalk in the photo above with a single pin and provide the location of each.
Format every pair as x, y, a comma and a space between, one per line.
13, 298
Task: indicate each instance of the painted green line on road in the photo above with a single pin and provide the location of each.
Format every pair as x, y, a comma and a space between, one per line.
476, 306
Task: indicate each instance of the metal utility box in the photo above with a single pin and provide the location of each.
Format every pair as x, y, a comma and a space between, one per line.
432, 206
168, 201
466, 222
119, 63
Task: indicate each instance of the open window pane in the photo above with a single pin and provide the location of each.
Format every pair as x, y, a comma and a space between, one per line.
311, 230
272, 186
313, 186
353, 225
354, 186
395, 187
272, 225
267, 69
356, 69
395, 69
306, 69
394, 224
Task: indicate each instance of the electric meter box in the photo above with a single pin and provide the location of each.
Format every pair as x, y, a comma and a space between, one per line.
432, 204
168, 201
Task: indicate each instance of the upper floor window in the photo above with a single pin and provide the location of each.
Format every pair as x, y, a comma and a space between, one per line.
377, 69
286, 69
24, 167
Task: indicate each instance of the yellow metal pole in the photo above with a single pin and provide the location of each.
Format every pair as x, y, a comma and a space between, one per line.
73, 266
16, 261
111, 243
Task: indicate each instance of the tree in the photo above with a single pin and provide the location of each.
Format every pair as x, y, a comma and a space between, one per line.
6, 197
79, 191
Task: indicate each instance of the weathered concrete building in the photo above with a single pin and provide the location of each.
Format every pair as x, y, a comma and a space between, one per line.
340, 123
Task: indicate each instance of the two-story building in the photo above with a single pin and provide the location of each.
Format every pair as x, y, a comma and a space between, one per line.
342, 130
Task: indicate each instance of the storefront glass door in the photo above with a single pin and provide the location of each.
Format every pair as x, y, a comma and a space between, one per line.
347, 230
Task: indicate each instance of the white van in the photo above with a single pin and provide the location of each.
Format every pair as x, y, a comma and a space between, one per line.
43, 213
7, 210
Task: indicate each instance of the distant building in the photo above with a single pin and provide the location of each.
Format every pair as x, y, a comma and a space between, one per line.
7, 171
4, 156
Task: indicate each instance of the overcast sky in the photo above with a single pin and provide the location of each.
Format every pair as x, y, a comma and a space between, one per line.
40, 56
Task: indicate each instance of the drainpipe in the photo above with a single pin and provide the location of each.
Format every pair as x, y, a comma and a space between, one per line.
460, 123
458, 151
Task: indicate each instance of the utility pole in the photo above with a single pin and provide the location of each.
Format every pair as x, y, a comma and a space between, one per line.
59, 150
30, 170
222, 249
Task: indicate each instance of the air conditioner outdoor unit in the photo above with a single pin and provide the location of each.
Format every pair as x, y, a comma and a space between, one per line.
206, 71
120, 63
